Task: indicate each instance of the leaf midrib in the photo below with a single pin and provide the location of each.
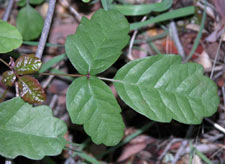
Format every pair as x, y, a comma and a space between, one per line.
26, 133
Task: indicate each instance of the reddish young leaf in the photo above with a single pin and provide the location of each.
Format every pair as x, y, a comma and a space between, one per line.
8, 78
27, 64
30, 90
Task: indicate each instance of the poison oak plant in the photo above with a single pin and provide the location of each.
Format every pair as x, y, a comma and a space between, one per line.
29, 88
159, 87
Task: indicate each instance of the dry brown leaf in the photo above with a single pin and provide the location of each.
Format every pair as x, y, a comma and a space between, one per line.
134, 147
204, 60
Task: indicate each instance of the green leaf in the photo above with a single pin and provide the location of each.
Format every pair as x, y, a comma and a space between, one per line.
98, 42
8, 78
29, 22
162, 89
135, 10
90, 102
30, 132
27, 64
10, 37
22, 3
30, 90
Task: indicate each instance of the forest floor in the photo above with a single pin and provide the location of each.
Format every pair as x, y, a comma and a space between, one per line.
145, 141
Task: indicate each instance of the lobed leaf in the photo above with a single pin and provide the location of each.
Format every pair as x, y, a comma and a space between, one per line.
162, 89
29, 131
30, 90
98, 42
90, 102
27, 64
8, 78
10, 37
29, 22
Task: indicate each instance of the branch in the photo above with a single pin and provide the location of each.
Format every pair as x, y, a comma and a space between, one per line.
180, 151
46, 28
71, 9
8, 10
176, 39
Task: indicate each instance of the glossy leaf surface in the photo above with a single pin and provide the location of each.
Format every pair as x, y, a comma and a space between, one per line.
30, 90
98, 42
27, 64
29, 22
10, 37
162, 89
8, 78
30, 132
92, 103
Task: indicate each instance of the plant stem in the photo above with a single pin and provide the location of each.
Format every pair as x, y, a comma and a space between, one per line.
77, 75
46, 29
5, 63
107, 79
61, 74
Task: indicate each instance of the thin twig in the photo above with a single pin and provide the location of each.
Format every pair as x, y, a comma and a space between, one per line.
130, 57
217, 126
180, 151
17, 89
46, 28
8, 10
176, 39
71, 9
53, 101
217, 54
174, 140
1, 60
48, 81
213, 138
223, 92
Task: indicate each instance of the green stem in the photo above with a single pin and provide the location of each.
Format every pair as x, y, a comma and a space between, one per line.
61, 74
107, 79
77, 75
